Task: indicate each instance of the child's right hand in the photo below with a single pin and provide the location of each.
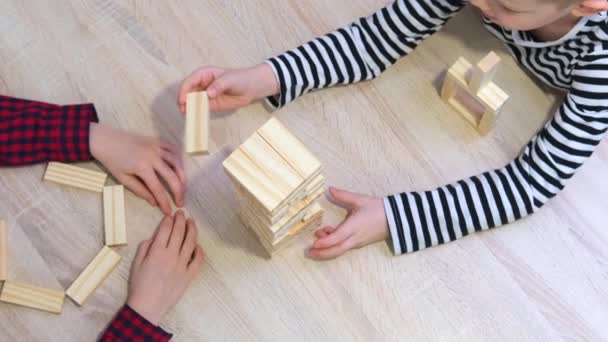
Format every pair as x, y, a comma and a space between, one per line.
229, 88
164, 267
137, 162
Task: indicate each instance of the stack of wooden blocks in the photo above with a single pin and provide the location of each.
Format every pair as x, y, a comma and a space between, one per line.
470, 90
278, 182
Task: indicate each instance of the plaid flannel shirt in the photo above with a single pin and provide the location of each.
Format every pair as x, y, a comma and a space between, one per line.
33, 132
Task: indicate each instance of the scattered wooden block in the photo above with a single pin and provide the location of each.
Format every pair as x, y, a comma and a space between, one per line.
3, 251
114, 215
197, 123
75, 176
32, 297
475, 82
93, 275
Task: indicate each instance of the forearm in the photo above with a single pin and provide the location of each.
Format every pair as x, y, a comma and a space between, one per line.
418, 220
128, 325
33, 132
360, 51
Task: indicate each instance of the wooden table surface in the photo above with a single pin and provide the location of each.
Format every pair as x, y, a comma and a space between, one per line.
544, 278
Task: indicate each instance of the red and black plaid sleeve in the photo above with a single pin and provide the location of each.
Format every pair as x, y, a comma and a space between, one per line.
32, 131
128, 325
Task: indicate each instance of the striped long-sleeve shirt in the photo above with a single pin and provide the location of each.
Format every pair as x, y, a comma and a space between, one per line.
576, 63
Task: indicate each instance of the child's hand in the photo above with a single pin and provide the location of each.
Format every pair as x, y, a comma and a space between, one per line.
229, 88
164, 267
364, 224
137, 162
589, 7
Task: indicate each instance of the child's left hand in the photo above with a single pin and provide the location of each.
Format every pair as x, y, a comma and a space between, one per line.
365, 223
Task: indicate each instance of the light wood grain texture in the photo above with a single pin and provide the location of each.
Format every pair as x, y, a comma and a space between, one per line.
78, 177
540, 279
303, 222
272, 164
471, 92
483, 72
197, 123
246, 173
274, 167
3, 250
32, 297
93, 275
114, 215
290, 148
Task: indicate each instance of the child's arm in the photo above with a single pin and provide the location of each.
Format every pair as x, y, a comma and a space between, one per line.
360, 51
33, 132
417, 220
162, 270
357, 52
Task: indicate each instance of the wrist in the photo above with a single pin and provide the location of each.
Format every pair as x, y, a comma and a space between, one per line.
266, 83
381, 214
94, 140
150, 314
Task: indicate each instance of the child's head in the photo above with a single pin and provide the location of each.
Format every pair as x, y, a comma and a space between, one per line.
528, 15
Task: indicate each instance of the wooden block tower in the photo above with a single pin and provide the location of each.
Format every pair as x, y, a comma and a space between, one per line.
278, 182
483, 99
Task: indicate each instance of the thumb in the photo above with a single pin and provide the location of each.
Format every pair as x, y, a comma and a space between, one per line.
343, 198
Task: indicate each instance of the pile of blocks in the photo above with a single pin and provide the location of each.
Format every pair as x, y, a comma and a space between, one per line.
483, 99
98, 269
278, 182
277, 179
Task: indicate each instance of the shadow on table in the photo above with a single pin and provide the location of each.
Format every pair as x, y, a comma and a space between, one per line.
211, 199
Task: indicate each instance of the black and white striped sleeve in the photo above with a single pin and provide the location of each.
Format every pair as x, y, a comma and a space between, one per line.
418, 220
360, 51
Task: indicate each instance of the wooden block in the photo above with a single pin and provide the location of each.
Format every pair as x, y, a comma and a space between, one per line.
315, 219
32, 297
3, 250
75, 176
475, 83
197, 123
246, 173
270, 229
290, 148
114, 215
272, 164
483, 72
93, 275
269, 219
455, 79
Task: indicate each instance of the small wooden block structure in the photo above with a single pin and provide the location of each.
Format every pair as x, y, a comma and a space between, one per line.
476, 82
93, 275
75, 176
3, 251
32, 297
114, 215
278, 182
197, 123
